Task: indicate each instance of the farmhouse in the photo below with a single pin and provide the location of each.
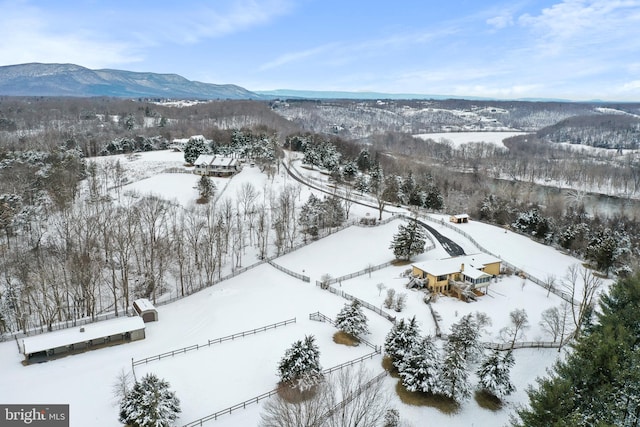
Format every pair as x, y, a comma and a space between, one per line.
467, 271
209, 165
459, 219
48, 346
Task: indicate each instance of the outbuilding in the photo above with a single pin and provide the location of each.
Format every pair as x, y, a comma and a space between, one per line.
145, 309
51, 345
459, 219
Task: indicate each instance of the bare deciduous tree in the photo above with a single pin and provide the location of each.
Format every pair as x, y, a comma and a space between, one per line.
554, 321
582, 287
348, 398
519, 322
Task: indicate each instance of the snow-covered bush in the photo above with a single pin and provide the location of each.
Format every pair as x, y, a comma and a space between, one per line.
150, 403
352, 320
301, 360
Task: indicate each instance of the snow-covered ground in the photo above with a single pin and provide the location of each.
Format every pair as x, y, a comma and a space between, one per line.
216, 377
460, 138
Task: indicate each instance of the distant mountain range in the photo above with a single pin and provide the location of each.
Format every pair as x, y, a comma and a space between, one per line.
37, 79
316, 94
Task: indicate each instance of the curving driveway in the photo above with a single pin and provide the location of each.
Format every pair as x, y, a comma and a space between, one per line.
452, 248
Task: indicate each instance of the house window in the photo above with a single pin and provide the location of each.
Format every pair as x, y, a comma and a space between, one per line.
442, 278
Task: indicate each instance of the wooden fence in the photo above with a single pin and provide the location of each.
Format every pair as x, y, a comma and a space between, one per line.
302, 277
319, 317
362, 302
257, 399
209, 343
526, 344
362, 272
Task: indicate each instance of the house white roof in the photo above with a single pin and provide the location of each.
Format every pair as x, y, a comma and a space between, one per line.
440, 267
73, 335
461, 216
224, 161
473, 273
204, 160
215, 161
144, 304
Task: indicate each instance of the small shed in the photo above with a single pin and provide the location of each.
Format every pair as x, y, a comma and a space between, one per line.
459, 219
51, 345
146, 310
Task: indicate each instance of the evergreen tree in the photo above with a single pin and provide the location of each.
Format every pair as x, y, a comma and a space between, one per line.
310, 215
455, 377
352, 320
150, 403
493, 374
400, 339
465, 336
300, 361
598, 384
410, 240
419, 369
364, 160
206, 187
193, 149
333, 212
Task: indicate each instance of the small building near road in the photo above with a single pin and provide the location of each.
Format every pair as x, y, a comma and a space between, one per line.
459, 219
146, 310
474, 270
52, 345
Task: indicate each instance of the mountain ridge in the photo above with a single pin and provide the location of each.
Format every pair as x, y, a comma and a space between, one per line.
40, 79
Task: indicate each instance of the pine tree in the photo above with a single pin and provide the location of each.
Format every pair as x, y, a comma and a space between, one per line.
455, 377
400, 339
493, 374
300, 361
193, 149
419, 368
408, 241
310, 215
206, 187
150, 403
352, 320
465, 336
598, 382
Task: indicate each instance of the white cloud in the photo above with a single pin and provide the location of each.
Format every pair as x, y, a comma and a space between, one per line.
501, 21
573, 24
297, 56
224, 19
631, 86
26, 36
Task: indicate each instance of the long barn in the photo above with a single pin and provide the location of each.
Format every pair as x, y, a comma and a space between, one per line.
52, 345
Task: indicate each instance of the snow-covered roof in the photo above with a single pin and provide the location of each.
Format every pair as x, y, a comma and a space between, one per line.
440, 267
224, 161
461, 216
144, 304
73, 335
474, 273
215, 161
204, 160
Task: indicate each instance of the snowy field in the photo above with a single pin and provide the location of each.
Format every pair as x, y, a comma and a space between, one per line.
460, 138
216, 377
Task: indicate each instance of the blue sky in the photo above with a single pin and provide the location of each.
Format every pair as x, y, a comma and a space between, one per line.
571, 49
